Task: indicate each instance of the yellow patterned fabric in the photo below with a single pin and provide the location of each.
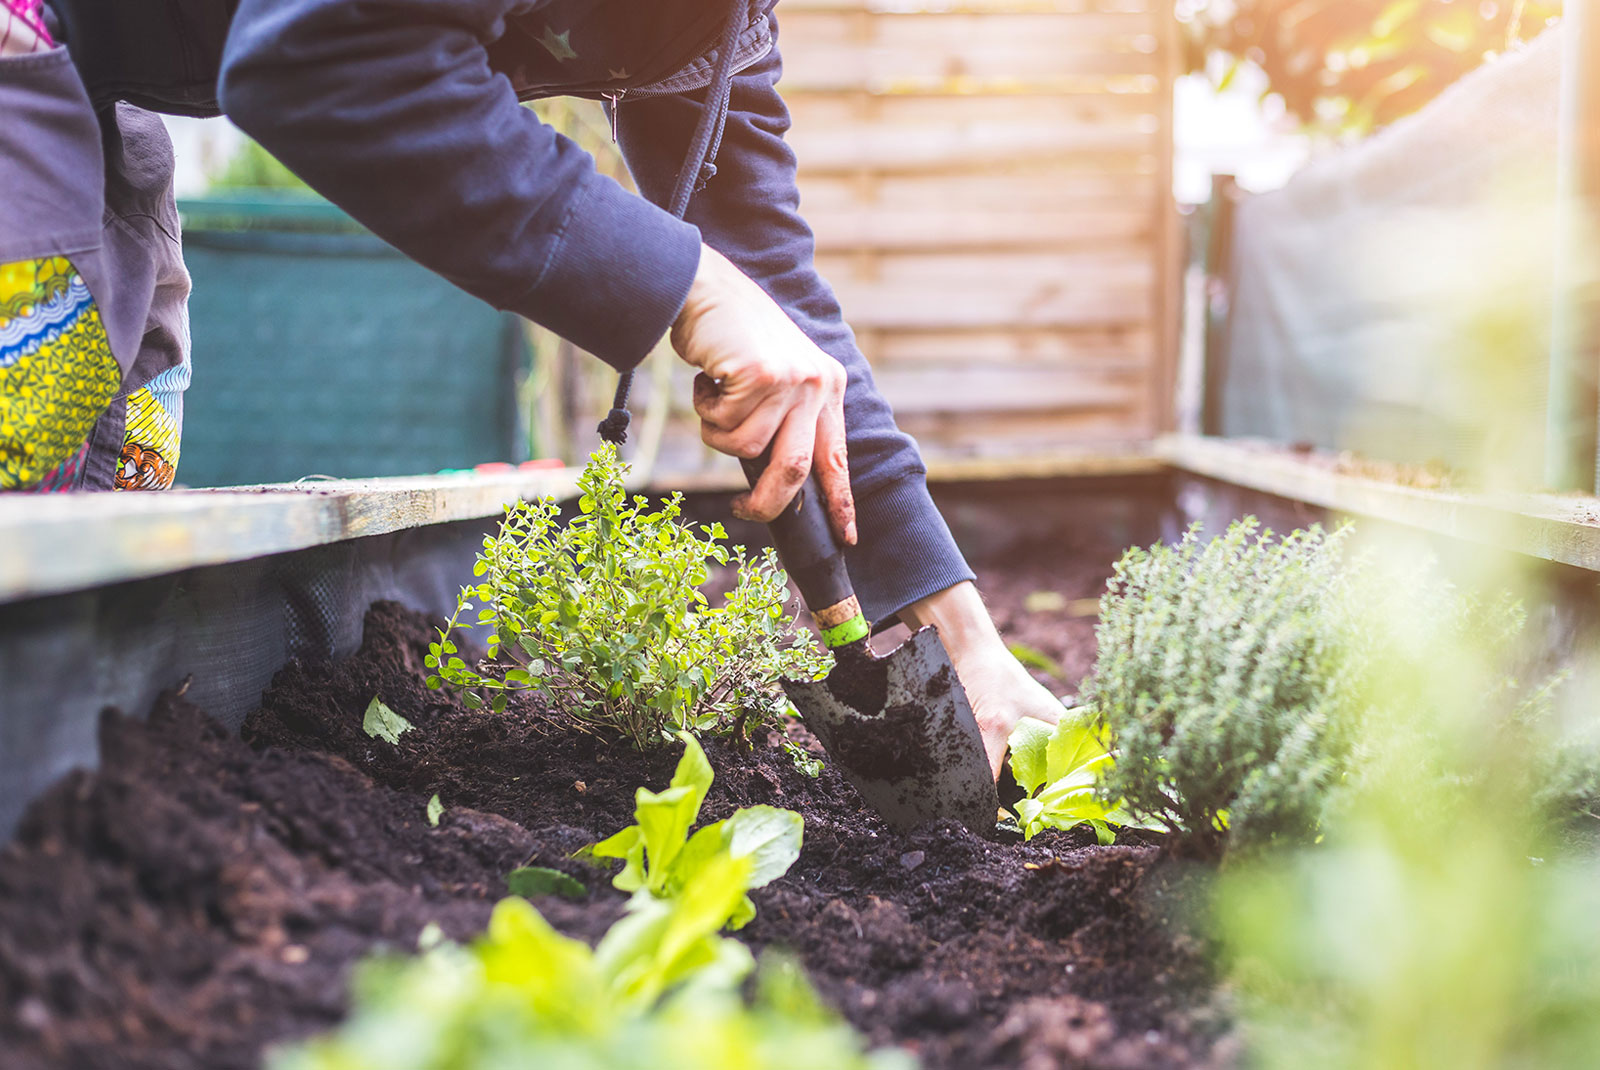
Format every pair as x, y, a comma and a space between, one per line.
149, 458
57, 374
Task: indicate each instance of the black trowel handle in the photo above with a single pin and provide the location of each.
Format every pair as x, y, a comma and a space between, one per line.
815, 560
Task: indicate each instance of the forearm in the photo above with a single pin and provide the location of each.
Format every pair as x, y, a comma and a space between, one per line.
391, 110
750, 213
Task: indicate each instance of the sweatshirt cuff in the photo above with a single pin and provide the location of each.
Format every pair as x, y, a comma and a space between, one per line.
619, 275
905, 552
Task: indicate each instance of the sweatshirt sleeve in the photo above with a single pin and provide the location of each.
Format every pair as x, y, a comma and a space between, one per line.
750, 212
391, 110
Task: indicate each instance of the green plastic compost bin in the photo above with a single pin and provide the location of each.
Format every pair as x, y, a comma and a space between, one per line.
320, 350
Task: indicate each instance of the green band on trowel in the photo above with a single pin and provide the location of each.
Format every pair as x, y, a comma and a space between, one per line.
851, 630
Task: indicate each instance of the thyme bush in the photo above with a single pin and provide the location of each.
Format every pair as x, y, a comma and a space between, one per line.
605, 615
1251, 684
1224, 677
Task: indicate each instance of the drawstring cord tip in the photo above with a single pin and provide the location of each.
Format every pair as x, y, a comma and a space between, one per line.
614, 428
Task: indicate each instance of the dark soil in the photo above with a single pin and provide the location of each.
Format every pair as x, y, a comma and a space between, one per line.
201, 897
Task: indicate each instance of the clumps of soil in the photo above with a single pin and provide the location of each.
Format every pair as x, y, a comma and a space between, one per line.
201, 897
195, 900
971, 952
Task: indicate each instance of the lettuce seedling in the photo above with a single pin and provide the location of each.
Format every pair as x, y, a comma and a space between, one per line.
605, 615
662, 991
1060, 768
661, 859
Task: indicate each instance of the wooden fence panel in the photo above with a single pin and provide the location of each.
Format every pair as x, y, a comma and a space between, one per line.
989, 183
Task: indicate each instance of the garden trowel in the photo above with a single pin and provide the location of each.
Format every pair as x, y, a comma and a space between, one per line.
899, 727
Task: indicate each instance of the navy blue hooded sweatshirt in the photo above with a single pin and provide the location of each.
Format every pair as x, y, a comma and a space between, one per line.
406, 114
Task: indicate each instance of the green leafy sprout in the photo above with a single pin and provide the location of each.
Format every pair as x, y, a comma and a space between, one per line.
605, 614
662, 990
660, 857
1060, 768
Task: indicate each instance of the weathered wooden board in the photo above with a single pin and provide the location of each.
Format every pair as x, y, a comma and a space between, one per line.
1008, 389
1018, 188
1088, 347
66, 542
1556, 527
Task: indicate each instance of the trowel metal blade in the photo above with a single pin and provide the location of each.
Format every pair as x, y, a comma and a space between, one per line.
901, 730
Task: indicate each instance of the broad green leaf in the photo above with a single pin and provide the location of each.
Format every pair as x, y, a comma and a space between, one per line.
540, 880
555, 975
707, 843
627, 845
1076, 743
435, 810
693, 772
1030, 741
769, 837
380, 722
664, 821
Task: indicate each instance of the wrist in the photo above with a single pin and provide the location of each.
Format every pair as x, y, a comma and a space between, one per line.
962, 620
709, 281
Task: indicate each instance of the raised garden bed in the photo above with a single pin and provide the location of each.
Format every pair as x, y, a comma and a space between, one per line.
201, 897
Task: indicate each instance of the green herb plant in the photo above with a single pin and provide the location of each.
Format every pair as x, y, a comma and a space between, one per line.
660, 857
605, 615
1060, 768
1224, 677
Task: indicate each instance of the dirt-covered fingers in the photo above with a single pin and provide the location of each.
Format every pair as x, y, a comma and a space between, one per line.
832, 464
742, 421
789, 464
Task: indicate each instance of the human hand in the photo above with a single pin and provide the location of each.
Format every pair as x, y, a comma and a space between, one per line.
763, 382
1000, 690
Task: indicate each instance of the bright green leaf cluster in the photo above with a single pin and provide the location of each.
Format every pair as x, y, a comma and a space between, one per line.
604, 614
660, 858
661, 991
1060, 769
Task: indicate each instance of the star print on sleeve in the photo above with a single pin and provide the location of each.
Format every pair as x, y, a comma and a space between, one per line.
557, 44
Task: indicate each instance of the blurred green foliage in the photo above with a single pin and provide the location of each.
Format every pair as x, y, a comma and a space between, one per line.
253, 167
1449, 918
1350, 66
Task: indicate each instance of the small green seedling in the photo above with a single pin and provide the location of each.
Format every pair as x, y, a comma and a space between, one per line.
1060, 768
661, 858
435, 810
380, 722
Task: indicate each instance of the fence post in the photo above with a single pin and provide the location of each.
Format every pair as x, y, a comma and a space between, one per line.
1572, 422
